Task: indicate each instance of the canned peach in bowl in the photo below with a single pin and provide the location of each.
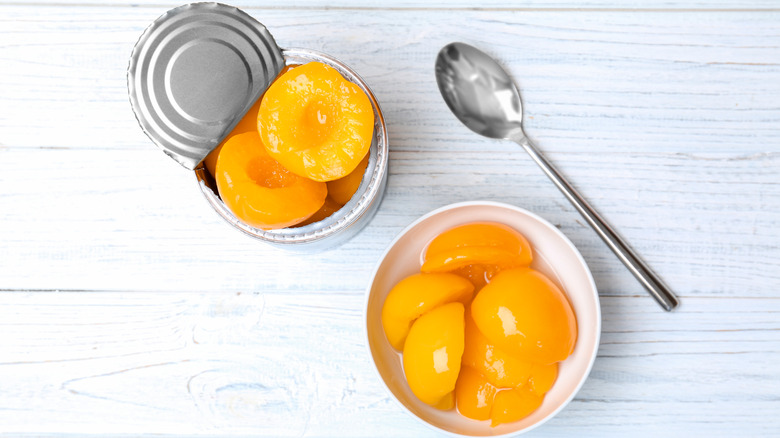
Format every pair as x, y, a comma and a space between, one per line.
288, 146
482, 319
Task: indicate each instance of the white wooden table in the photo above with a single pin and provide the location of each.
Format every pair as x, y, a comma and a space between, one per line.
128, 306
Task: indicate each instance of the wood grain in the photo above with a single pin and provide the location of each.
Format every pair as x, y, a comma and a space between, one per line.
128, 307
447, 5
702, 146
181, 363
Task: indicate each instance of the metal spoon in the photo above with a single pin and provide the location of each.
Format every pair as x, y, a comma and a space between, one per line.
483, 96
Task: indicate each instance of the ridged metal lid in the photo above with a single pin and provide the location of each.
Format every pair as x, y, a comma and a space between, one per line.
195, 72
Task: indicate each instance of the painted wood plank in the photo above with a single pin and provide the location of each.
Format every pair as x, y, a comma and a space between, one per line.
130, 219
611, 81
127, 306
566, 6
679, 116
282, 364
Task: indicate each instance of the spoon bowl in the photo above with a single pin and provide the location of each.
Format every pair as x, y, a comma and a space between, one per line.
484, 98
479, 92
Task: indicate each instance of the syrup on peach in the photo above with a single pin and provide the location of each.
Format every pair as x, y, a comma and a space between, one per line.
515, 331
316, 123
259, 190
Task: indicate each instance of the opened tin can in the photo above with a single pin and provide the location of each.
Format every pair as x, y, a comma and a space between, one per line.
197, 70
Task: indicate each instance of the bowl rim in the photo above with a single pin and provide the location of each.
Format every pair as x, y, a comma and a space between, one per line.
369, 192
533, 216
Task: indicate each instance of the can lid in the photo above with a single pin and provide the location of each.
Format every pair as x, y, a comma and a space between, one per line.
195, 72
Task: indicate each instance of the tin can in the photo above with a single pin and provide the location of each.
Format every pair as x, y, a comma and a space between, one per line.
197, 70
353, 216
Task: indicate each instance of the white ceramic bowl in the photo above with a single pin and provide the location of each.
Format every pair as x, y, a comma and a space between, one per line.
554, 255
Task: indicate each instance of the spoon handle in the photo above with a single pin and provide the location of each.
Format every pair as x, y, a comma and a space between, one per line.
662, 294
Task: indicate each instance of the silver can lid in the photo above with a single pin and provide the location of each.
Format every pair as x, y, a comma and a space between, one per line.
195, 72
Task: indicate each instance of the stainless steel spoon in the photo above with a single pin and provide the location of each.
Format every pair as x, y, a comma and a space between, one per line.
483, 96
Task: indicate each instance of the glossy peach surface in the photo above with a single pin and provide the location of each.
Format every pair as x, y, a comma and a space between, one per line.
513, 404
474, 395
342, 189
481, 234
432, 353
259, 190
328, 208
486, 245
515, 331
498, 367
526, 315
553, 256
328, 121
316, 123
417, 294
